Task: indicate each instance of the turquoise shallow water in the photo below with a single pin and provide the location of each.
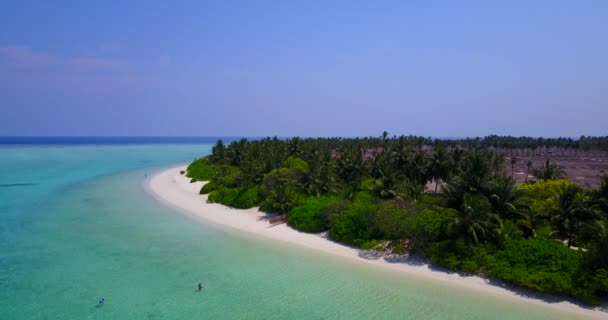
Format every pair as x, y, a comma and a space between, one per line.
76, 224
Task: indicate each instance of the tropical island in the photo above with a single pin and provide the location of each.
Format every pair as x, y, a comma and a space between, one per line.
500, 207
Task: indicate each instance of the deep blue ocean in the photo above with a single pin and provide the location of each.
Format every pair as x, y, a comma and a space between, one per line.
101, 140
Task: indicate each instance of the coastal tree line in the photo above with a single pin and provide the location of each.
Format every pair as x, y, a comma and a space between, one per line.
550, 236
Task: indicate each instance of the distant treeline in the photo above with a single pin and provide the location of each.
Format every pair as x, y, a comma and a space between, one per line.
491, 141
372, 193
582, 143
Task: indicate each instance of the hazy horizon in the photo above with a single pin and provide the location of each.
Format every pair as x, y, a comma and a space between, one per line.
339, 69
10, 139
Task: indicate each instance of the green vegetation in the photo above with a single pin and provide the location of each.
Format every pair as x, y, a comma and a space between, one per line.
208, 187
542, 265
350, 223
241, 198
550, 235
200, 170
311, 215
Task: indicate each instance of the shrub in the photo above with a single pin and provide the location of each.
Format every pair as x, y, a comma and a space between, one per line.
389, 219
215, 196
351, 225
228, 176
223, 195
182, 172
544, 231
281, 199
248, 198
288, 179
542, 193
242, 198
208, 187
430, 198
201, 169
426, 227
542, 265
296, 164
510, 231
309, 215
459, 255
591, 287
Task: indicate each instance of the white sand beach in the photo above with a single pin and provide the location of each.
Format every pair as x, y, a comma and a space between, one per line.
174, 189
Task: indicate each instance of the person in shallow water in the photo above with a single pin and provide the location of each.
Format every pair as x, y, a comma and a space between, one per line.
200, 286
101, 301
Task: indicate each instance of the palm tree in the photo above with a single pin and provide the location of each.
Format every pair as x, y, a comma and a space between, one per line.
528, 168
218, 151
599, 248
384, 135
514, 161
253, 168
235, 152
497, 161
601, 196
509, 203
350, 167
416, 168
475, 221
282, 199
474, 178
439, 167
387, 186
572, 212
603, 190
549, 171
455, 162
320, 179
295, 147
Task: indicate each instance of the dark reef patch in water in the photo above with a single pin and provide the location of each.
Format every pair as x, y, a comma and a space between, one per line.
10, 185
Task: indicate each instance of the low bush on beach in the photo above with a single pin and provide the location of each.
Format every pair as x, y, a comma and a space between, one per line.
543, 265
351, 225
241, 198
426, 227
389, 219
248, 198
309, 215
217, 195
201, 170
208, 187
458, 255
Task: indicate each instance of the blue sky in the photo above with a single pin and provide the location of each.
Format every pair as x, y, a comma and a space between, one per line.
311, 68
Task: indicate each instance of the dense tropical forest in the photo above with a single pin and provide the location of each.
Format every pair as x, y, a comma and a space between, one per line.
451, 202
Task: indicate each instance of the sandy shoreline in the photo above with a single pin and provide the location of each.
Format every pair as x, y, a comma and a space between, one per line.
174, 189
